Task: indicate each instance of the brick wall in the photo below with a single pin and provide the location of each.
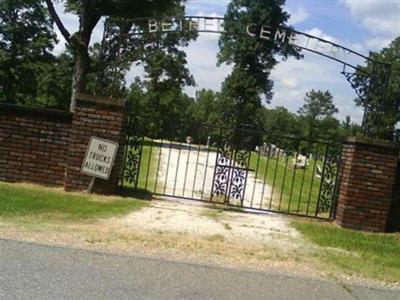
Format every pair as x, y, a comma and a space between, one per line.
48, 147
394, 216
367, 183
33, 144
103, 118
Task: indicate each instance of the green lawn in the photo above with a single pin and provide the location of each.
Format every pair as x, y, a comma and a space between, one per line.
294, 190
49, 204
371, 255
148, 166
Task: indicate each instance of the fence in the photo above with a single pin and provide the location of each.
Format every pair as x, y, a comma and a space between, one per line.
280, 174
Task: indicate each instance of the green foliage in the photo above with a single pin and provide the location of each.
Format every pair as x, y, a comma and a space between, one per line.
163, 59
279, 122
106, 78
348, 128
319, 105
205, 113
31, 75
26, 40
90, 13
242, 94
54, 85
383, 113
315, 120
161, 114
317, 115
253, 59
158, 100
122, 8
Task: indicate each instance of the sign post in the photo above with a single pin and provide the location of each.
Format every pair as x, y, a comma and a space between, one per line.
99, 159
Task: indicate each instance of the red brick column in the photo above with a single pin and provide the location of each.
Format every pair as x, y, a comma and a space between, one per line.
100, 117
394, 217
367, 183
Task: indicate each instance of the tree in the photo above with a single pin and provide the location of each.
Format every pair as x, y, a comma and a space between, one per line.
90, 12
54, 84
382, 108
317, 113
203, 116
252, 58
160, 114
164, 105
279, 122
349, 128
26, 41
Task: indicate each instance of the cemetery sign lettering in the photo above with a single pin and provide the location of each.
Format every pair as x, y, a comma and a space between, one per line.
266, 32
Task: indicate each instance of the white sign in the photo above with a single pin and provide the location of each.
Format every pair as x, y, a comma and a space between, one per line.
99, 158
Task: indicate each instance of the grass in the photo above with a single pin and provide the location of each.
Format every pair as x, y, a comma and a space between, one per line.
148, 167
21, 201
369, 255
294, 190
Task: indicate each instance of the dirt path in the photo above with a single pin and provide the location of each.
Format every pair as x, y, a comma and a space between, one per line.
188, 172
194, 219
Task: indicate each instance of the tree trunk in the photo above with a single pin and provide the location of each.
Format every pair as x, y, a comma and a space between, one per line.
89, 15
80, 43
81, 69
10, 88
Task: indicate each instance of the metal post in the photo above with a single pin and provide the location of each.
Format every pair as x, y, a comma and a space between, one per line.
91, 184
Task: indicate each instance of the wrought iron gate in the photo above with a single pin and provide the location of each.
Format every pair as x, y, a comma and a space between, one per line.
132, 156
232, 167
251, 171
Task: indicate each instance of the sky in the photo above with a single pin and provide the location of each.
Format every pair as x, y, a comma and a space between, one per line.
361, 25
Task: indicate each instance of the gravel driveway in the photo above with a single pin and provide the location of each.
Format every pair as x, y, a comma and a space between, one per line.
187, 172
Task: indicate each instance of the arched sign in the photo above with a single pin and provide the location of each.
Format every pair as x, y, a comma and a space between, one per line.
264, 32
375, 79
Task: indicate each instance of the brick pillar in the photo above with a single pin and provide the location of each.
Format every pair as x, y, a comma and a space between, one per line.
367, 183
100, 117
394, 216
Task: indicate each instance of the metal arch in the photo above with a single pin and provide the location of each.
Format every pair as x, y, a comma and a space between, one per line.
220, 21
372, 84
112, 55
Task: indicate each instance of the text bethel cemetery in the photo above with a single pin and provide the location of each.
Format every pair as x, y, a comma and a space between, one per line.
264, 32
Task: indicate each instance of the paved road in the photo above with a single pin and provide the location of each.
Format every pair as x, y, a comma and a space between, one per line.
32, 271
